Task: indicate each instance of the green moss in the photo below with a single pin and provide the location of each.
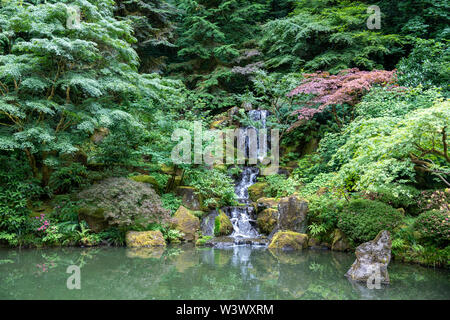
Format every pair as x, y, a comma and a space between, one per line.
202, 240
147, 179
222, 225
256, 190
289, 239
267, 220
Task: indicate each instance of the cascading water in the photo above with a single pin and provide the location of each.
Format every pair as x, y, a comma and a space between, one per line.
241, 216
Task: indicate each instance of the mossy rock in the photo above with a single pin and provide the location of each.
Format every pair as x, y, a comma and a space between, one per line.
265, 203
256, 190
164, 168
190, 198
185, 222
94, 217
135, 239
267, 220
147, 179
289, 240
340, 241
222, 225
202, 240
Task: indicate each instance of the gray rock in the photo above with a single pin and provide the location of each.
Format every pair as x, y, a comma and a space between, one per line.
372, 259
207, 224
292, 213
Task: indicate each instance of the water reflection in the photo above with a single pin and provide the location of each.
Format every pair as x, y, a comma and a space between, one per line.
186, 272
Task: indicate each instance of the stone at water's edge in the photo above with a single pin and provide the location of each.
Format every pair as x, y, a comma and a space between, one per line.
185, 222
222, 225
135, 239
340, 241
190, 199
372, 259
267, 220
289, 240
292, 214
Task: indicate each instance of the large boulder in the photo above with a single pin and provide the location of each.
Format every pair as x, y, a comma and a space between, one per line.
340, 241
265, 203
222, 225
185, 222
289, 240
267, 220
372, 259
190, 198
292, 214
135, 239
120, 202
256, 191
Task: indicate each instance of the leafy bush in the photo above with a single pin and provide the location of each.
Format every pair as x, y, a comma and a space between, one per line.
170, 202
123, 201
428, 65
215, 186
361, 220
280, 186
434, 225
66, 179
324, 211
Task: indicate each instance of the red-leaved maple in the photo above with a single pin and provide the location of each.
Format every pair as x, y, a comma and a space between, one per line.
348, 86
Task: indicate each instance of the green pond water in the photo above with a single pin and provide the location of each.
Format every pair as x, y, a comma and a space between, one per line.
191, 273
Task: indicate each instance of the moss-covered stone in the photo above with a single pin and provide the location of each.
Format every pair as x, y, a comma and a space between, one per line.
223, 225
135, 239
289, 240
256, 190
94, 217
185, 222
147, 179
265, 203
267, 220
340, 241
164, 168
292, 214
190, 198
202, 240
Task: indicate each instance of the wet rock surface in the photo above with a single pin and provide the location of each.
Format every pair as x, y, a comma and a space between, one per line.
372, 259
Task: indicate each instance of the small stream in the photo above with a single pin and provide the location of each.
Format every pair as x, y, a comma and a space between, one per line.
186, 272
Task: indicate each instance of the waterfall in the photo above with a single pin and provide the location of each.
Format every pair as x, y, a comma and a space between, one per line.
242, 216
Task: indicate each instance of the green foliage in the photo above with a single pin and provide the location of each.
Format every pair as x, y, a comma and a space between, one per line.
361, 220
434, 225
216, 187
171, 202
428, 65
67, 179
324, 212
321, 36
280, 186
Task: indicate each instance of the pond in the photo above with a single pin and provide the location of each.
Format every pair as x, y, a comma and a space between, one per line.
186, 272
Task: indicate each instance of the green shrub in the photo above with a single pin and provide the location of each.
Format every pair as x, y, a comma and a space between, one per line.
67, 179
170, 202
361, 219
434, 225
215, 186
280, 186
